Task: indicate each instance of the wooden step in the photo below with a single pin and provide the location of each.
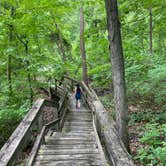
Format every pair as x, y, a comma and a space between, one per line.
78, 119
78, 126
72, 134
67, 137
68, 151
70, 138
80, 123
76, 146
68, 142
71, 117
75, 128
79, 112
69, 163
91, 157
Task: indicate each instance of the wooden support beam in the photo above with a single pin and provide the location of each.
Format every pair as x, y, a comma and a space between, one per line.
116, 150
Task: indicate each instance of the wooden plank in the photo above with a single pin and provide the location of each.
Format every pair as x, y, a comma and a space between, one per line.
77, 146
53, 123
83, 162
71, 139
100, 149
67, 151
72, 134
115, 148
67, 142
92, 157
117, 153
36, 147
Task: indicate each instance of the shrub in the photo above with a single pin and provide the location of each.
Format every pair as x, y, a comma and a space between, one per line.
154, 150
9, 119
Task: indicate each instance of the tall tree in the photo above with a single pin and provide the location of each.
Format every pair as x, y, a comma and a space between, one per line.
25, 44
82, 47
150, 31
9, 75
117, 63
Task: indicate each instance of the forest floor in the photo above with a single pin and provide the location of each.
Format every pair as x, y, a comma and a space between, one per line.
145, 129
134, 135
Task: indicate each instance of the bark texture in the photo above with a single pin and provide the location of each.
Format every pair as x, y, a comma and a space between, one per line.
82, 47
117, 63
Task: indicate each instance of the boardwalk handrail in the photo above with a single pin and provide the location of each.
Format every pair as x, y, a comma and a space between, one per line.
20, 137
40, 139
116, 151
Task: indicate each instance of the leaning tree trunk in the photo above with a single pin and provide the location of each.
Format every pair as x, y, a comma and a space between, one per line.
117, 63
150, 31
82, 47
9, 70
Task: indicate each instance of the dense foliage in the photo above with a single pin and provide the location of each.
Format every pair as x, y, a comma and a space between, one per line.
41, 39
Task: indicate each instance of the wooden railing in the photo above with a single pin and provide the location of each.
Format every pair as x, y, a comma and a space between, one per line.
32, 123
104, 124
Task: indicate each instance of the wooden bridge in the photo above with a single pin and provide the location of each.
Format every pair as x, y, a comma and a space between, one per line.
70, 136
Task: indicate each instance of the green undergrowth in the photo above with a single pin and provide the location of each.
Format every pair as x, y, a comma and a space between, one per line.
9, 120
151, 132
153, 139
107, 101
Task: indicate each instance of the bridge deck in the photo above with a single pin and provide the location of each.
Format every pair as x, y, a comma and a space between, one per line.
76, 145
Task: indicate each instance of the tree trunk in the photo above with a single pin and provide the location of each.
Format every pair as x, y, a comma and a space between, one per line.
61, 45
117, 63
25, 44
9, 77
28, 72
150, 31
82, 47
9, 70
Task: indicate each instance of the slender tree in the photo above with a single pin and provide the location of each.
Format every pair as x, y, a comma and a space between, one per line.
117, 63
60, 44
150, 31
25, 44
82, 47
9, 70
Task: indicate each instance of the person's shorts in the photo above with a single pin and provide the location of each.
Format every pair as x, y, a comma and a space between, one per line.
78, 96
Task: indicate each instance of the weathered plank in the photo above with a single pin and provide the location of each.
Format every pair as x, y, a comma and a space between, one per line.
67, 157
77, 146
68, 151
70, 163
36, 146
115, 148
72, 134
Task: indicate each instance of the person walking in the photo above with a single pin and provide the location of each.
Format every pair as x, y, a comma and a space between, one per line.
77, 95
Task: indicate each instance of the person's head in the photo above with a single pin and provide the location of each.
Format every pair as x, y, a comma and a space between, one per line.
77, 85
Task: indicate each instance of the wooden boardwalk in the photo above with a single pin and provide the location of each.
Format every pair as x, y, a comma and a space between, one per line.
76, 145
72, 138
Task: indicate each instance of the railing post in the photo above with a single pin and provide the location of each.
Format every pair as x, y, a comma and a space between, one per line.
40, 120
